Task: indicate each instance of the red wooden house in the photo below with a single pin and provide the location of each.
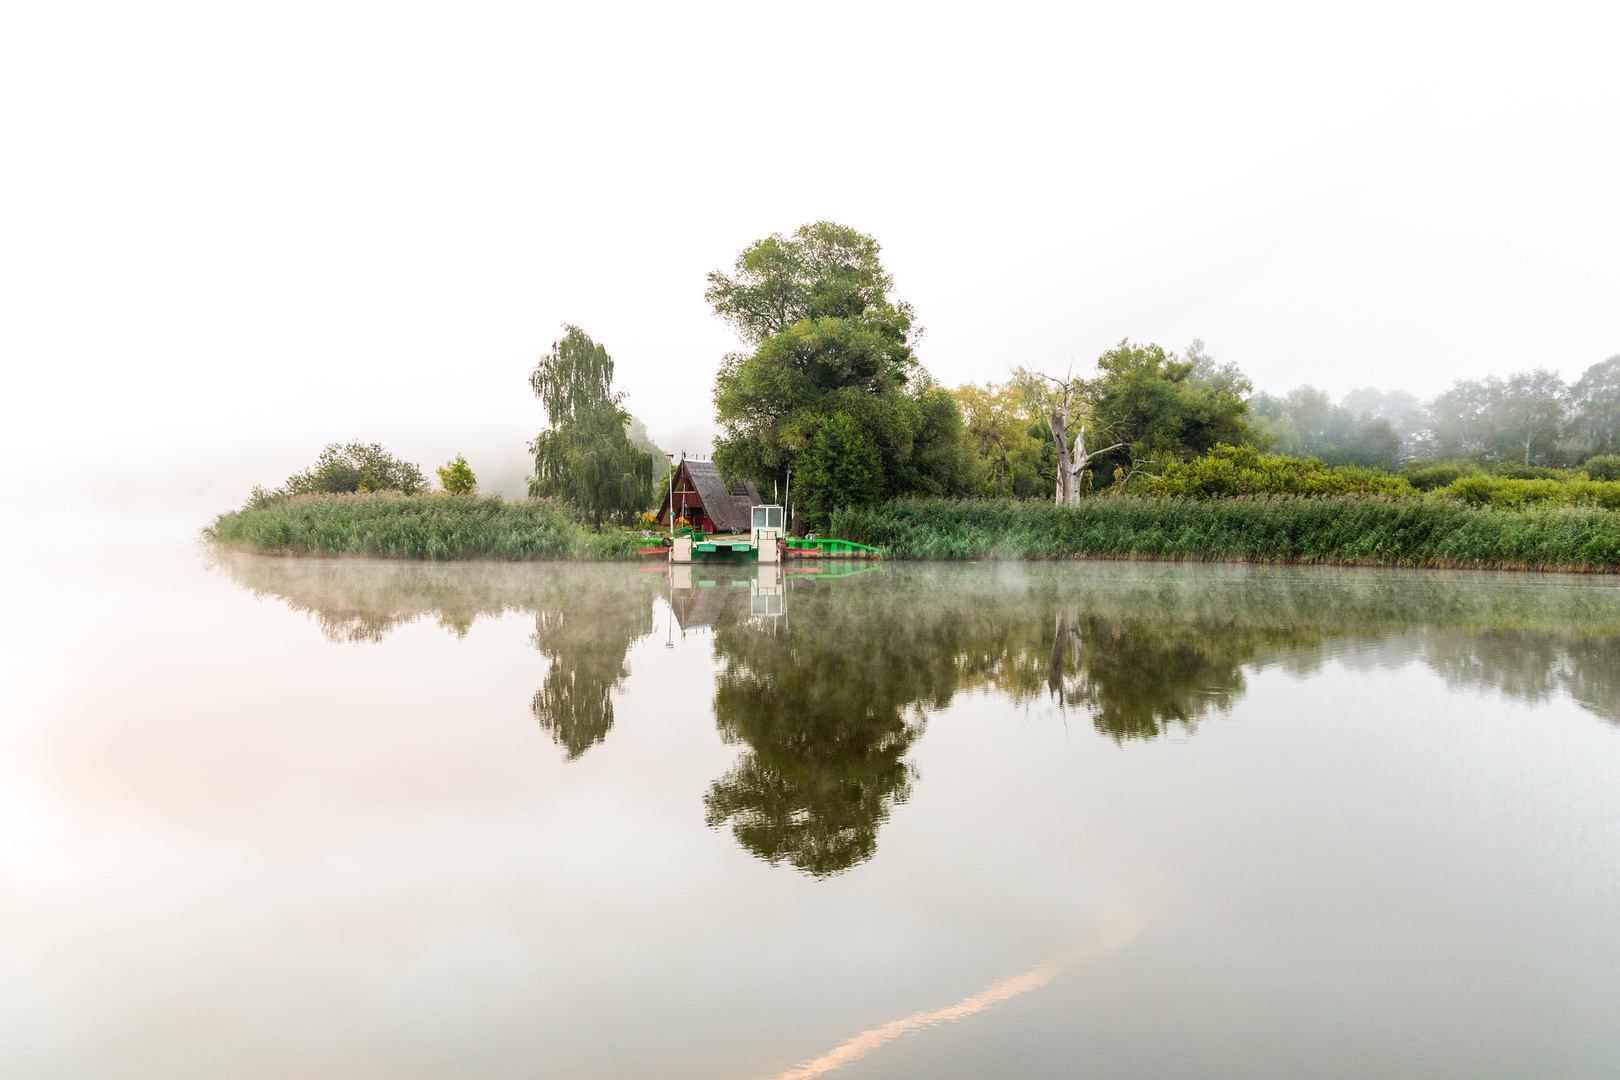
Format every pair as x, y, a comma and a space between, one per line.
702, 497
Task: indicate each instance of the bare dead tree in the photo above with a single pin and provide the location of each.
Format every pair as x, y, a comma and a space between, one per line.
1067, 641
1071, 462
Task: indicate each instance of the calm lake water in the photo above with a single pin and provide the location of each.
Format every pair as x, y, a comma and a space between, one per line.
319, 818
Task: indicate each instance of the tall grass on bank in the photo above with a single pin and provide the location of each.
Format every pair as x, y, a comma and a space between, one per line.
434, 526
1362, 531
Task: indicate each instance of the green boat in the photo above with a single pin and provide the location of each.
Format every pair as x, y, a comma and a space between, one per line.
762, 544
767, 542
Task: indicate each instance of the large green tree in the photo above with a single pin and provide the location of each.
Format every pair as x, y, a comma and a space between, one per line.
584, 456
829, 344
1163, 408
1006, 428
1596, 398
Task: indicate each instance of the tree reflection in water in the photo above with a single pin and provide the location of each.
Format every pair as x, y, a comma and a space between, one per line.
586, 618
826, 704
586, 629
827, 701
1137, 676
825, 690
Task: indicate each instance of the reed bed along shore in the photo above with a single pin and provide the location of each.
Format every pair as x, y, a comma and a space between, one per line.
438, 527
1351, 531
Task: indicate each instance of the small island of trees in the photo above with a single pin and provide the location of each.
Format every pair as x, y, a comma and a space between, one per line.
1159, 454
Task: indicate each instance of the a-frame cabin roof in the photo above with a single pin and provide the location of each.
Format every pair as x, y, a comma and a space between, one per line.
726, 505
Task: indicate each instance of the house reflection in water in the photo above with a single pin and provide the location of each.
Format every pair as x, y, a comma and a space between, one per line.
707, 595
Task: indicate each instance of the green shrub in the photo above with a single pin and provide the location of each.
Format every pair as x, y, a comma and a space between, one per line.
1428, 476
1229, 471
456, 477
262, 497
1513, 470
357, 467
1496, 491
1604, 467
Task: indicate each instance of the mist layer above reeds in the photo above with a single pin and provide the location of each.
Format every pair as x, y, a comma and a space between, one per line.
1354, 531
434, 527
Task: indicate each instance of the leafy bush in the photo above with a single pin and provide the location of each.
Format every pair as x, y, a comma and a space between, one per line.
262, 497
1605, 467
1431, 475
357, 467
1497, 491
456, 477
1228, 471
1513, 470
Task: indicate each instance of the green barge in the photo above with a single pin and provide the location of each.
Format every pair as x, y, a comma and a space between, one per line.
767, 542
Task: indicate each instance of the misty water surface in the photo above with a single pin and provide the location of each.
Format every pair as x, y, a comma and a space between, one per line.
355, 818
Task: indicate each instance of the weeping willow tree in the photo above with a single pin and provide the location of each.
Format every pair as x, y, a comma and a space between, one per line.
584, 456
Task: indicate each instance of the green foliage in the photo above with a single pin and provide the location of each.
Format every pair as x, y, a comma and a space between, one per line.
1603, 467
1483, 490
429, 526
828, 342
356, 467
842, 468
824, 271
456, 477
1427, 477
1006, 430
1239, 470
1513, 470
1353, 530
585, 456
262, 497
1147, 398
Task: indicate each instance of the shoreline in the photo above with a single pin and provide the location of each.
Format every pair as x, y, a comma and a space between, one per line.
1394, 533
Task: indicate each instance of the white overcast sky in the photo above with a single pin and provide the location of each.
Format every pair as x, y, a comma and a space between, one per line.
250, 229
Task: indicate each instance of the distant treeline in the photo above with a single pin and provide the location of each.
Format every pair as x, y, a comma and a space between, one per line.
1532, 418
1186, 403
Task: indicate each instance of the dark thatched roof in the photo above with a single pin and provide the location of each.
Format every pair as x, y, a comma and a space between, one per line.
727, 506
